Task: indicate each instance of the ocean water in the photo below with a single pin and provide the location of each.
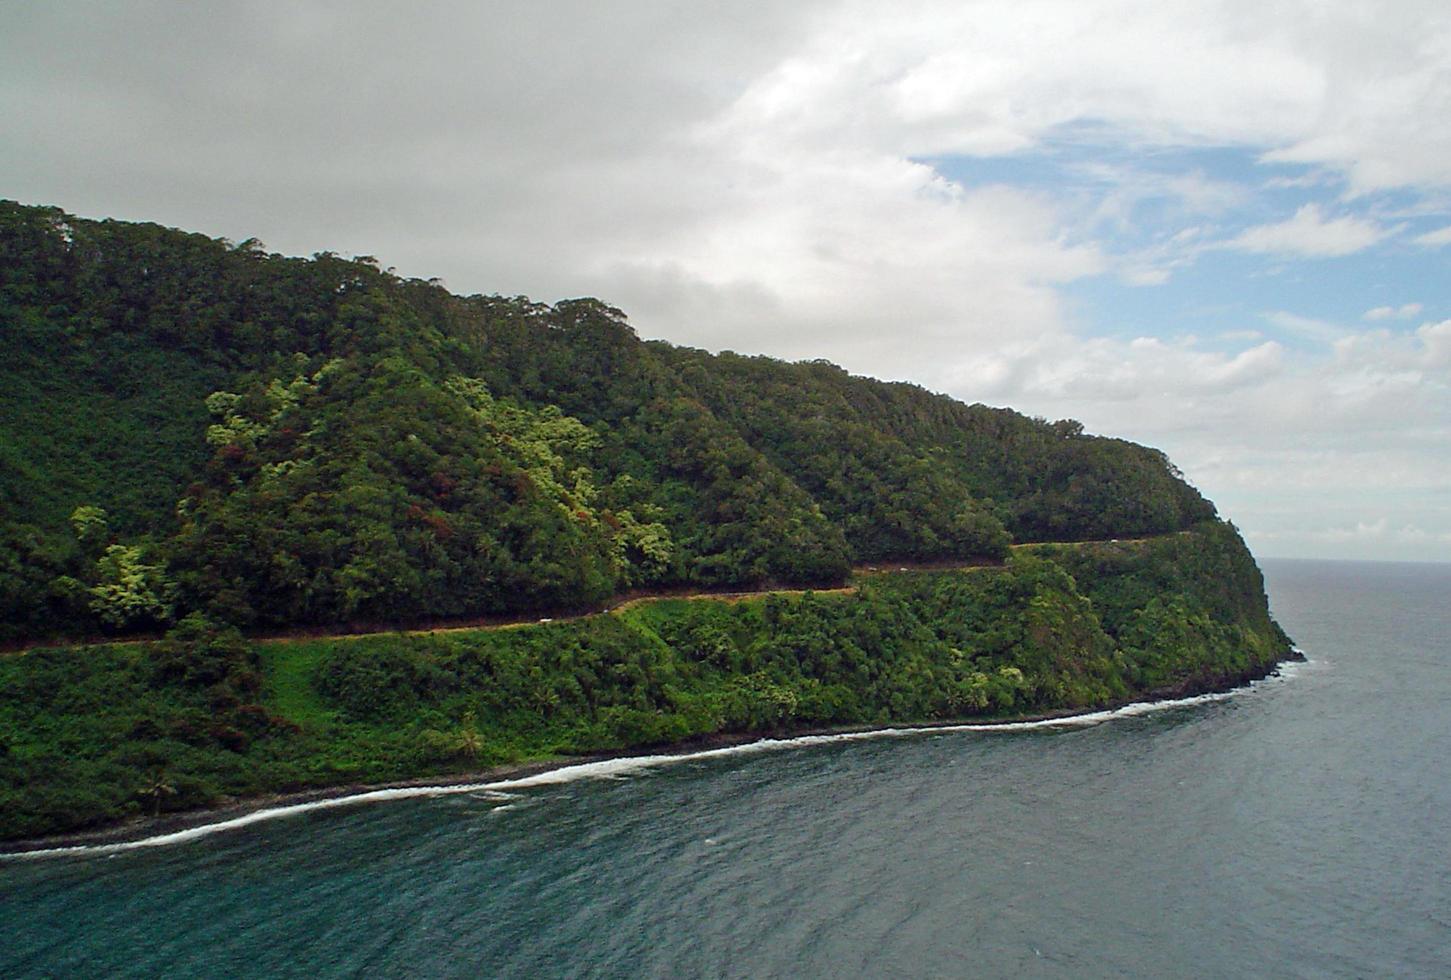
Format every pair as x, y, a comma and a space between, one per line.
1300, 828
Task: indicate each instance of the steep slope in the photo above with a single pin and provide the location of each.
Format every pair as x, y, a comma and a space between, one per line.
187, 424
207, 441
92, 735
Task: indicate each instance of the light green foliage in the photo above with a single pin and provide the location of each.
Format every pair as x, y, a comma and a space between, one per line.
242, 424
643, 551
540, 443
235, 428
87, 731
308, 441
129, 591
120, 586
92, 529
463, 742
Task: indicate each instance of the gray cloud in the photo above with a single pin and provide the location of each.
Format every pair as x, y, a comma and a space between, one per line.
744, 175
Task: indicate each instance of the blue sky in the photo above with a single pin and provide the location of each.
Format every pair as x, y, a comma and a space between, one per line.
1177, 225
1219, 228
1211, 291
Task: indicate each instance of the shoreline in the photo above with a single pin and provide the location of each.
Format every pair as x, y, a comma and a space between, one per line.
142, 831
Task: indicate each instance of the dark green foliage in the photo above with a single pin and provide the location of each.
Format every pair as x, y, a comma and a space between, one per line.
379, 685
31, 561
199, 654
96, 733
1190, 601
207, 437
284, 441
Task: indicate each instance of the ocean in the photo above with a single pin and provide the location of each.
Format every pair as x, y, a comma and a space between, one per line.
1300, 827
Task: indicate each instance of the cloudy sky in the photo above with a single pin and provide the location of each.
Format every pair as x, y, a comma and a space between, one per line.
1222, 229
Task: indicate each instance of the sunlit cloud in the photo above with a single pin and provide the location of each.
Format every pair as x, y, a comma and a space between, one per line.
1405, 311
1435, 239
1309, 233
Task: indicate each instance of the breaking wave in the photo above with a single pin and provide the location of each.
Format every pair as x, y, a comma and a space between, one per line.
502, 789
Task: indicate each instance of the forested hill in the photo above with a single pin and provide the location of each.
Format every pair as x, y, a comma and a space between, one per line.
191, 425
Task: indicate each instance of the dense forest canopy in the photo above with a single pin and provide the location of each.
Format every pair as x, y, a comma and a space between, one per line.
99, 733
190, 425
203, 439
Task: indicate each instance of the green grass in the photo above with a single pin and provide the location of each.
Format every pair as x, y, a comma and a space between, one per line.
287, 670
84, 731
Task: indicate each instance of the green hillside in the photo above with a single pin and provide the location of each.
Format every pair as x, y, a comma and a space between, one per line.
277, 441
95, 734
206, 443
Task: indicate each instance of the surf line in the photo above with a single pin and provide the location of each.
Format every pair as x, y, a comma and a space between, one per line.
605, 768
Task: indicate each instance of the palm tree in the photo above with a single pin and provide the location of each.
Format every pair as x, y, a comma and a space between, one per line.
467, 739
157, 787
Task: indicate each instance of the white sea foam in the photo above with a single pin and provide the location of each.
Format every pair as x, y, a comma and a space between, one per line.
503, 789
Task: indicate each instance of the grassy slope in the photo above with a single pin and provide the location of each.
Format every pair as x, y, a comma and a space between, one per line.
89, 735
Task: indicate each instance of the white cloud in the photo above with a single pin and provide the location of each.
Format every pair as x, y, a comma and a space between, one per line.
1310, 234
1319, 179
1435, 341
1286, 445
1144, 276
1404, 312
1435, 239
1308, 328
1101, 372
1184, 197
1377, 532
746, 176
1375, 529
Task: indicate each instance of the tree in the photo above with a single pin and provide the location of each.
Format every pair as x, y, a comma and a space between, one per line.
156, 788
129, 592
